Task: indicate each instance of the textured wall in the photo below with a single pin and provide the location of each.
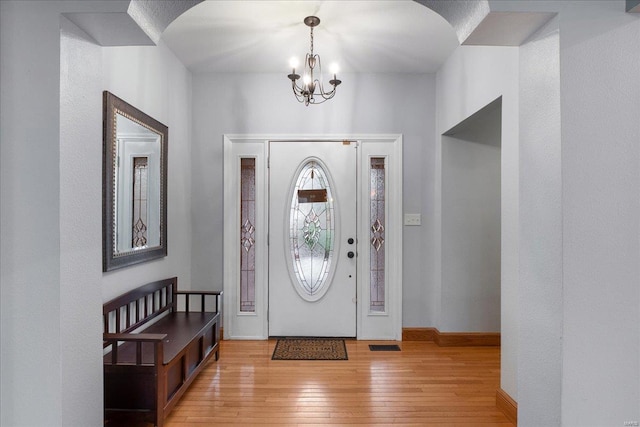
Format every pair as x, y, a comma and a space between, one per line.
464, 16
540, 301
51, 188
30, 233
599, 69
80, 226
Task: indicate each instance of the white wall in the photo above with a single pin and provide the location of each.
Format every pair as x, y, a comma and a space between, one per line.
365, 104
30, 260
540, 297
51, 187
471, 78
600, 65
580, 299
471, 226
153, 80
80, 226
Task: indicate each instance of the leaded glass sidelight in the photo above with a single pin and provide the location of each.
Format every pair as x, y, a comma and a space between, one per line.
312, 231
247, 235
140, 217
377, 236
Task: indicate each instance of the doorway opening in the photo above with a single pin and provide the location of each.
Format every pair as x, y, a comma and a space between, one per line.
471, 222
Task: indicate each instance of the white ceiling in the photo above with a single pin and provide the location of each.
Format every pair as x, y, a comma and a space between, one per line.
386, 36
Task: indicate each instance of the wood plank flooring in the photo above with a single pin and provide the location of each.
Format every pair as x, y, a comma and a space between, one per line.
422, 385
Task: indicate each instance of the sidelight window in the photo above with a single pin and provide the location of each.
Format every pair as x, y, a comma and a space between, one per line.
377, 237
247, 235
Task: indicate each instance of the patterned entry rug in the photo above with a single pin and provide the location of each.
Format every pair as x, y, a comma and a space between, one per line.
310, 349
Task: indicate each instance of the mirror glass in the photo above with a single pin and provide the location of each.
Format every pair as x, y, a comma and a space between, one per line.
134, 189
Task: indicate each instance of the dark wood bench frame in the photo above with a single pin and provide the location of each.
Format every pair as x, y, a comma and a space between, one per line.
151, 357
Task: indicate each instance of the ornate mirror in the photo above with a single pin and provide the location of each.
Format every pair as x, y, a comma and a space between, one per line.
134, 189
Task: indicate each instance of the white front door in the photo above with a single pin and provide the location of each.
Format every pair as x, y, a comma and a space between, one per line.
312, 238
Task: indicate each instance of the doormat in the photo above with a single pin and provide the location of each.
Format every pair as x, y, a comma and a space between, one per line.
310, 349
384, 347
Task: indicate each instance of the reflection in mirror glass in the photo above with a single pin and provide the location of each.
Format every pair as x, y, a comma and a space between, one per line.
137, 186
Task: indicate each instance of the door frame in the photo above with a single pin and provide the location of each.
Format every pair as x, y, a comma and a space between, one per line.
369, 325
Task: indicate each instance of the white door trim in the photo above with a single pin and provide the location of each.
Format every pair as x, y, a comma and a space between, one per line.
237, 325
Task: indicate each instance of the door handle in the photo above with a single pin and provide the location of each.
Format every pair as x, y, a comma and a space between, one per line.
350, 254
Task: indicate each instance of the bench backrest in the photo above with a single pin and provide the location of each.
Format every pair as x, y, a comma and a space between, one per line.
130, 311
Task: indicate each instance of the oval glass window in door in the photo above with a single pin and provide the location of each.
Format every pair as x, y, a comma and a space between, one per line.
312, 231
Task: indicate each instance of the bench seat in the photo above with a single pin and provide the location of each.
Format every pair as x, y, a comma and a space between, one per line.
181, 329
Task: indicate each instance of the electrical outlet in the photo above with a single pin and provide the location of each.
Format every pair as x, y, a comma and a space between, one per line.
412, 219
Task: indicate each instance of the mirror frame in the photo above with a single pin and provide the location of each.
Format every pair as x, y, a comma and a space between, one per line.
111, 260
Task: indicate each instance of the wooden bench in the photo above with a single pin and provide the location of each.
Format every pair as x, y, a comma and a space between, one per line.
153, 350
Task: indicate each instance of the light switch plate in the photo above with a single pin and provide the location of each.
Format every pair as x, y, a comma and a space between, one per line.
412, 219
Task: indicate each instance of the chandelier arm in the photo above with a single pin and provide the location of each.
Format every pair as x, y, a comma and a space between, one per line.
328, 95
298, 95
301, 96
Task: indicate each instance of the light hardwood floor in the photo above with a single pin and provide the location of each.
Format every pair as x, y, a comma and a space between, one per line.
422, 385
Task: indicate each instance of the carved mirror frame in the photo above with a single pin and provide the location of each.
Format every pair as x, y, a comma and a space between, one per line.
112, 258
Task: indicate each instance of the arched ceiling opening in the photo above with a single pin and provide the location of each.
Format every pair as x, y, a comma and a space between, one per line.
384, 36
406, 36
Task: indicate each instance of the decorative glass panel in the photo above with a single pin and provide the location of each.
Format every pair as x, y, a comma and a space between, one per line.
311, 231
140, 202
247, 235
377, 217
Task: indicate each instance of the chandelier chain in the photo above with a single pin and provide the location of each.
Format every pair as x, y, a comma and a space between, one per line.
311, 41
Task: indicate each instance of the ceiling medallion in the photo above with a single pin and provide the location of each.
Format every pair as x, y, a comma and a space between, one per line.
312, 91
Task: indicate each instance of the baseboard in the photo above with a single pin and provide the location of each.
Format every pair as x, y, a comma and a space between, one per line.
452, 339
468, 339
419, 334
507, 405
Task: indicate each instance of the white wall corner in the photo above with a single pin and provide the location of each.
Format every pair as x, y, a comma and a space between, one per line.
111, 29
135, 23
507, 28
464, 16
154, 17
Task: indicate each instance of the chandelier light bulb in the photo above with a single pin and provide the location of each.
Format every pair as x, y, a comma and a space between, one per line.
334, 68
306, 79
293, 62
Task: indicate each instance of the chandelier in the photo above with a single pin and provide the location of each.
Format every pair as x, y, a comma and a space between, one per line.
312, 90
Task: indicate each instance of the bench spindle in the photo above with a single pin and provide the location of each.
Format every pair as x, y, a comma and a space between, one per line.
118, 321
114, 352
139, 353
